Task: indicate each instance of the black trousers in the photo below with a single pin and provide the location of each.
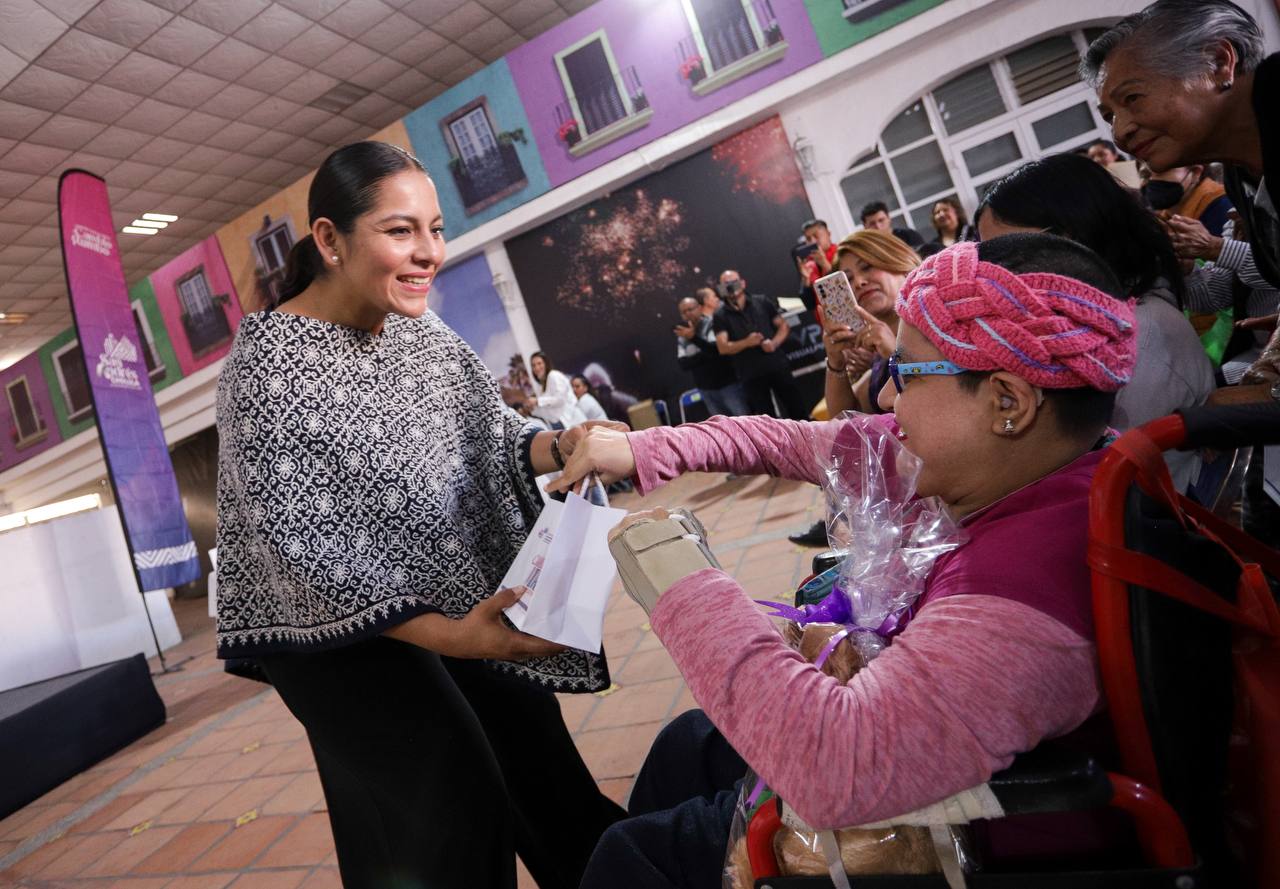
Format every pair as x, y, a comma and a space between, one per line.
681, 810
781, 384
437, 771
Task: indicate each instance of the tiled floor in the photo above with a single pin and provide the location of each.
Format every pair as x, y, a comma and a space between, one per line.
225, 794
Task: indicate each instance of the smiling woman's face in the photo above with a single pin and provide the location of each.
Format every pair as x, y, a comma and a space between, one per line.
1162, 120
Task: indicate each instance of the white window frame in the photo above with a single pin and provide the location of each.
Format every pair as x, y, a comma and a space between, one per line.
74, 415
1017, 119
567, 84
281, 223
42, 431
692, 17
144, 324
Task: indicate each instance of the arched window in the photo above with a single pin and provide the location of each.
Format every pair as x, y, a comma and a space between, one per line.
981, 124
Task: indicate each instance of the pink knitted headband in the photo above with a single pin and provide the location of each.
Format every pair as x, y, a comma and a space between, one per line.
1053, 331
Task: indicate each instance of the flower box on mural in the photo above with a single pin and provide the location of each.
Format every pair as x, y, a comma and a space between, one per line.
509, 137
639, 102
772, 34
692, 70
569, 133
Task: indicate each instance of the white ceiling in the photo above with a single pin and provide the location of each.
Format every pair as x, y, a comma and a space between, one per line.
204, 108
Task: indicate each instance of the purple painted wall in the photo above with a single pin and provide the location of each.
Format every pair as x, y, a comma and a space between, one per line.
646, 36
12, 450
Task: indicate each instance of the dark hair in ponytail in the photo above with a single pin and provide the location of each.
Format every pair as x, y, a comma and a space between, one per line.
344, 188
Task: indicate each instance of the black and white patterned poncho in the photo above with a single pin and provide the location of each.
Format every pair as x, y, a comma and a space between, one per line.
364, 479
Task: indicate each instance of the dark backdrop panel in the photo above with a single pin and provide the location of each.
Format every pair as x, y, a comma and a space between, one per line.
602, 281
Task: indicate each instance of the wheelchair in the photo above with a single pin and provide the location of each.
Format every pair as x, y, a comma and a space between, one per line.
1188, 640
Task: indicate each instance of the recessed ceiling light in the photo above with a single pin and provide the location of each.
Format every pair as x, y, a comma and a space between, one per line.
147, 223
159, 217
134, 230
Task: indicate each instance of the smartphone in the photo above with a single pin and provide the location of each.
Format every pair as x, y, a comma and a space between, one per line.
804, 251
837, 299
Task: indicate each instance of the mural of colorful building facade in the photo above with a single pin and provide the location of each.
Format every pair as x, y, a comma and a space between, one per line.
62, 361
27, 421
842, 23
474, 140
620, 74
199, 304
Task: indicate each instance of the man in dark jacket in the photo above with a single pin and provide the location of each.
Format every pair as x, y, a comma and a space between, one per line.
696, 352
751, 330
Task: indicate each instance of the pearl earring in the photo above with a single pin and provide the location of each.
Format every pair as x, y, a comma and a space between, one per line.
335, 257
1008, 426
1226, 85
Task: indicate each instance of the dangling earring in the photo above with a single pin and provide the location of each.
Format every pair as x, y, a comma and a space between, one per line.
1008, 426
1226, 85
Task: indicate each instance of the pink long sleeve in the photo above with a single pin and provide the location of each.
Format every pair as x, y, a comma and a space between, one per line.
745, 445
971, 682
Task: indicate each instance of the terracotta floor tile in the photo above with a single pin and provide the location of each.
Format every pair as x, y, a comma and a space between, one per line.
524, 879
100, 783
128, 851
574, 709
633, 704
107, 813
646, 666
71, 860
43, 857
251, 794
202, 881
197, 800
222, 767
286, 730
33, 819
166, 775
616, 752
302, 794
147, 808
279, 759
683, 703
327, 878
617, 789
271, 879
189, 844
241, 846
139, 883
306, 845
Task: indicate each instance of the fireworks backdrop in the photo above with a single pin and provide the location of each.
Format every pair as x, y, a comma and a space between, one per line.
602, 282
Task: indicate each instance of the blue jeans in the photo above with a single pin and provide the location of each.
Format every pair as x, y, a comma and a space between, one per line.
730, 401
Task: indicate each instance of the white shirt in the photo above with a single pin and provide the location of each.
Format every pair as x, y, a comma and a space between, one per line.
556, 401
591, 408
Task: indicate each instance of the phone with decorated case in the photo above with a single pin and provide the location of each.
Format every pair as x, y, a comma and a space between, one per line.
837, 299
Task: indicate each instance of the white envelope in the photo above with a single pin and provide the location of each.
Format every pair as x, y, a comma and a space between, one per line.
569, 571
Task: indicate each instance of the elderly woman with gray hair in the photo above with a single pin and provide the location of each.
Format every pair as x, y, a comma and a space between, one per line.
1185, 82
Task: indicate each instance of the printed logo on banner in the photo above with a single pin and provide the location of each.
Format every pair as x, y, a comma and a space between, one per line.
111, 362
83, 236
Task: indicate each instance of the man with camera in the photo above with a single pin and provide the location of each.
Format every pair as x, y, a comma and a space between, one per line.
751, 330
814, 255
696, 352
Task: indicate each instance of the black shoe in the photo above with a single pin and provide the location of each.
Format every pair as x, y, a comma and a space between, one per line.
814, 535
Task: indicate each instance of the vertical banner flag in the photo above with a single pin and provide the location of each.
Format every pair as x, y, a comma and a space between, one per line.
138, 463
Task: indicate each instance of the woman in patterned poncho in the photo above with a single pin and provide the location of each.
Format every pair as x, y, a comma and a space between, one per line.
372, 491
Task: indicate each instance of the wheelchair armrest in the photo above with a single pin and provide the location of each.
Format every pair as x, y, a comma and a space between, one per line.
1051, 778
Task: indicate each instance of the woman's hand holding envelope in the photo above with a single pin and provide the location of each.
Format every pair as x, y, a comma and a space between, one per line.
602, 449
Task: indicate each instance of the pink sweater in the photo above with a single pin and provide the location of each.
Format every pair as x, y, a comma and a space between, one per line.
998, 656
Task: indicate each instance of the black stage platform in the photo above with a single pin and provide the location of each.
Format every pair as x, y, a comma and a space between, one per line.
52, 730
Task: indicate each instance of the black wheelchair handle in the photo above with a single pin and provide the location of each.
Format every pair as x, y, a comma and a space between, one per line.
1232, 426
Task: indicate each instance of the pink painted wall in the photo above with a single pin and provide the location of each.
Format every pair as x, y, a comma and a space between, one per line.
207, 256
30, 368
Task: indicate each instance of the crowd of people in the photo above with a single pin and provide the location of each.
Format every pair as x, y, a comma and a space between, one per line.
374, 488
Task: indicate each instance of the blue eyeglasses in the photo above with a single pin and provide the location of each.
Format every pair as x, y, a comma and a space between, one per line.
899, 369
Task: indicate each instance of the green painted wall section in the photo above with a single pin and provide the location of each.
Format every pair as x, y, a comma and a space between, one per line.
67, 427
142, 292
836, 34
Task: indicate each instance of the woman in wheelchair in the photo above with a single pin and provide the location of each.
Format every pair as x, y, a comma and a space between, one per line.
1009, 357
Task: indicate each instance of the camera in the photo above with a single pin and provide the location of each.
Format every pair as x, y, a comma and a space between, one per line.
802, 252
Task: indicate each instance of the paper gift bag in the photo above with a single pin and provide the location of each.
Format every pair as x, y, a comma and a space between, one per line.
567, 567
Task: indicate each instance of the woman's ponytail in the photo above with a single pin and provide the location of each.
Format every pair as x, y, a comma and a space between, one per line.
301, 268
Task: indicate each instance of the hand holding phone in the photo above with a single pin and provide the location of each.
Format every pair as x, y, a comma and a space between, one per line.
838, 302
